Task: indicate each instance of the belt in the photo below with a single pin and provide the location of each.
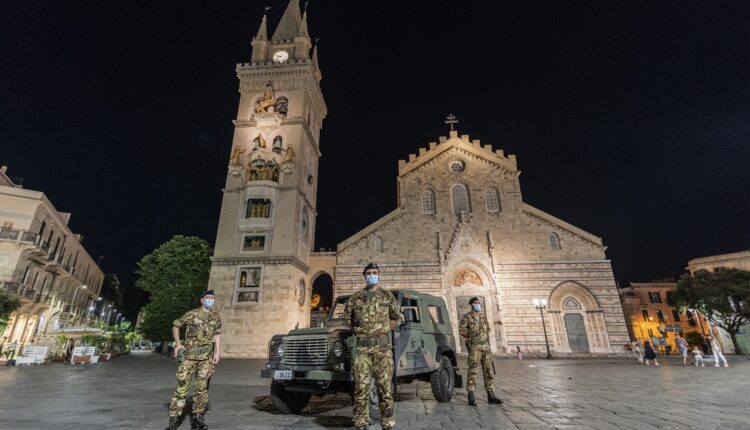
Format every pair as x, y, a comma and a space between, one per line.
382, 341
198, 351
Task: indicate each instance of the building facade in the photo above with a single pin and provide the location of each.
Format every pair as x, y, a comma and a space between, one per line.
460, 229
45, 264
649, 316
735, 260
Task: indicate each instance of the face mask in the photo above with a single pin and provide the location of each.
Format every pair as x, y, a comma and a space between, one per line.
477, 307
208, 303
371, 280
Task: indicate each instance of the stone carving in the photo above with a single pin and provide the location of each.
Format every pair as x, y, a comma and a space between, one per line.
234, 160
278, 144
259, 142
270, 104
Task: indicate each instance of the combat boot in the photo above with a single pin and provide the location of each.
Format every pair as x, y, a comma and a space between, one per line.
491, 399
174, 422
197, 422
472, 400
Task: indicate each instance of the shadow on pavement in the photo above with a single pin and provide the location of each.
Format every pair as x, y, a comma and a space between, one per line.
317, 408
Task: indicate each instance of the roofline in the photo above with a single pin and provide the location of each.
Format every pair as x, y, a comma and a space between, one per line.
562, 224
369, 229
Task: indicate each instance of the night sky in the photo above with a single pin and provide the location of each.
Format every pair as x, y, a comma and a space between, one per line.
629, 121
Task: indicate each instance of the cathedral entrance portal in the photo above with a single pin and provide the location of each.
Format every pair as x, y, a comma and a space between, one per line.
576, 330
322, 299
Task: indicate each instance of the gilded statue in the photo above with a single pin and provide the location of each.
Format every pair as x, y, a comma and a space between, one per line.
267, 101
288, 155
236, 154
259, 141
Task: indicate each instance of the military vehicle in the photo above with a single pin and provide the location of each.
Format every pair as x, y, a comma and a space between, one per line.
316, 361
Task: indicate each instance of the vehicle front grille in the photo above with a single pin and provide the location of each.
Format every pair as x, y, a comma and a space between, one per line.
305, 350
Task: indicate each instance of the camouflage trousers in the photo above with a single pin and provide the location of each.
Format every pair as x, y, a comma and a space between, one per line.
202, 370
477, 357
377, 365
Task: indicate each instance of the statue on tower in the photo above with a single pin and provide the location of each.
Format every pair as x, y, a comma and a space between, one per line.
268, 100
259, 142
234, 160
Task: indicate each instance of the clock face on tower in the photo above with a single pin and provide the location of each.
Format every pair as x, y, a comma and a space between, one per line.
280, 56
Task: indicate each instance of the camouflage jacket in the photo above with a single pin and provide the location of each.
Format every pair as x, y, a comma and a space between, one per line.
370, 317
200, 329
475, 328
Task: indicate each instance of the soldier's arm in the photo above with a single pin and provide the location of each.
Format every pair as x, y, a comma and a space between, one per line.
395, 313
217, 342
347, 314
462, 328
176, 325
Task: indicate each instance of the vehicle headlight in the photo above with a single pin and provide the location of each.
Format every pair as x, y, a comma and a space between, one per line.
338, 348
280, 350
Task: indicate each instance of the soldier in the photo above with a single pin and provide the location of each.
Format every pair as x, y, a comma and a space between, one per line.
197, 357
372, 313
476, 330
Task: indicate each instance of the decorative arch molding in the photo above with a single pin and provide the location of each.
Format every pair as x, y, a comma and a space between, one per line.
575, 291
574, 298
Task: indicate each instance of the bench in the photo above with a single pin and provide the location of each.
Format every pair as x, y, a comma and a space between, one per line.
32, 355
83, 355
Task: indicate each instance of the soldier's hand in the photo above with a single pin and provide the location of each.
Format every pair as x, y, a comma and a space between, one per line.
215, 359
177, 349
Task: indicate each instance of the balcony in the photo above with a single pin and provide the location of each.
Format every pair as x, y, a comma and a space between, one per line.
12, 287
28, 293
9, 234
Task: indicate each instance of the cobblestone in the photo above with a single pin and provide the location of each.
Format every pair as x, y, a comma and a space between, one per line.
132, 392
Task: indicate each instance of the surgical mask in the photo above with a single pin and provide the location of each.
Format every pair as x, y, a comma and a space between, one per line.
477, 307
371, 280
208, 303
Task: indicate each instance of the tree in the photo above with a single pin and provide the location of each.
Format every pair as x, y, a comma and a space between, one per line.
175, 274
8, 305
723, 296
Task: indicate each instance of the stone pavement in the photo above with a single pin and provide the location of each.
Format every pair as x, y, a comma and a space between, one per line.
133, 392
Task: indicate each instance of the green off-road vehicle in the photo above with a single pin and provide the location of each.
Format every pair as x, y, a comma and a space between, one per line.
318, 361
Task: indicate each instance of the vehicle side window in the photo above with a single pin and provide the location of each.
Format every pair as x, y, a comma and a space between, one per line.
436, 314
338, 308
410, 308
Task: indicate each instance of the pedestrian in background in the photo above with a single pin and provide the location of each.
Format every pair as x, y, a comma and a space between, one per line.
698, 356
638, 352
682, 343
716, 348
519, 354
649, 354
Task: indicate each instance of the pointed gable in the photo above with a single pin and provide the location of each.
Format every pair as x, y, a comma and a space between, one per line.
289, 25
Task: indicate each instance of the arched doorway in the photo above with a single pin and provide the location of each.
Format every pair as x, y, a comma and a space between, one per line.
576, 330
321, 299
470, 279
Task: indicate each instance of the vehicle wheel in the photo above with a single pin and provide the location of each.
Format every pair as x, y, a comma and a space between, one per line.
288, 402
442, 381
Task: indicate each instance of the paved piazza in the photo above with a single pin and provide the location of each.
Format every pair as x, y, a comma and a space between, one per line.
132, 392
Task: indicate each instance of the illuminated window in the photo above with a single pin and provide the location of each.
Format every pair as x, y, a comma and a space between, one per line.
460, 198
676, 314
655, 297
378, 244
428, 203
645, 314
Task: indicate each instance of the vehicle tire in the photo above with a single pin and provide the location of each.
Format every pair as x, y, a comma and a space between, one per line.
288, 402
442, 381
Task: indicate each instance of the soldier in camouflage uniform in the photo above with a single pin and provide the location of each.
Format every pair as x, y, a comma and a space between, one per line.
475, 328
197, 357
373, 313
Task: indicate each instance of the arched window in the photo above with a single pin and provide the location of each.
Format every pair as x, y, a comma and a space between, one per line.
460, 198
554, 241
378, 244
428, 202
492, 200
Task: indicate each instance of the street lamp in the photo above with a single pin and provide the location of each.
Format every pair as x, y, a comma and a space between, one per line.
541, 305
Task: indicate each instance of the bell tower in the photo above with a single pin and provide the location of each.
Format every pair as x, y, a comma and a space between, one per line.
266, 228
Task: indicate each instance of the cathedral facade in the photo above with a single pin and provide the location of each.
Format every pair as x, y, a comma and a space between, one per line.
460, 229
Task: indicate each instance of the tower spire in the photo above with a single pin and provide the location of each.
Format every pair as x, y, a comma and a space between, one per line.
263, 29
260, 41
289, 25
303, 24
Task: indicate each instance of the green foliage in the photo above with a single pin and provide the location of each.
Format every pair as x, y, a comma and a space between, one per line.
723, 296
8, 304
694, 338
175, 274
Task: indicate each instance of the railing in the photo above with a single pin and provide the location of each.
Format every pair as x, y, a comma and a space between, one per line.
9, 233
28, 293
29, 236
11, 287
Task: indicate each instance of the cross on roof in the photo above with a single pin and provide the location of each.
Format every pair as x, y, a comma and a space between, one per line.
451, 119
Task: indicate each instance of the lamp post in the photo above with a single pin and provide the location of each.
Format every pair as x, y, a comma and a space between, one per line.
109, 312
541, 305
